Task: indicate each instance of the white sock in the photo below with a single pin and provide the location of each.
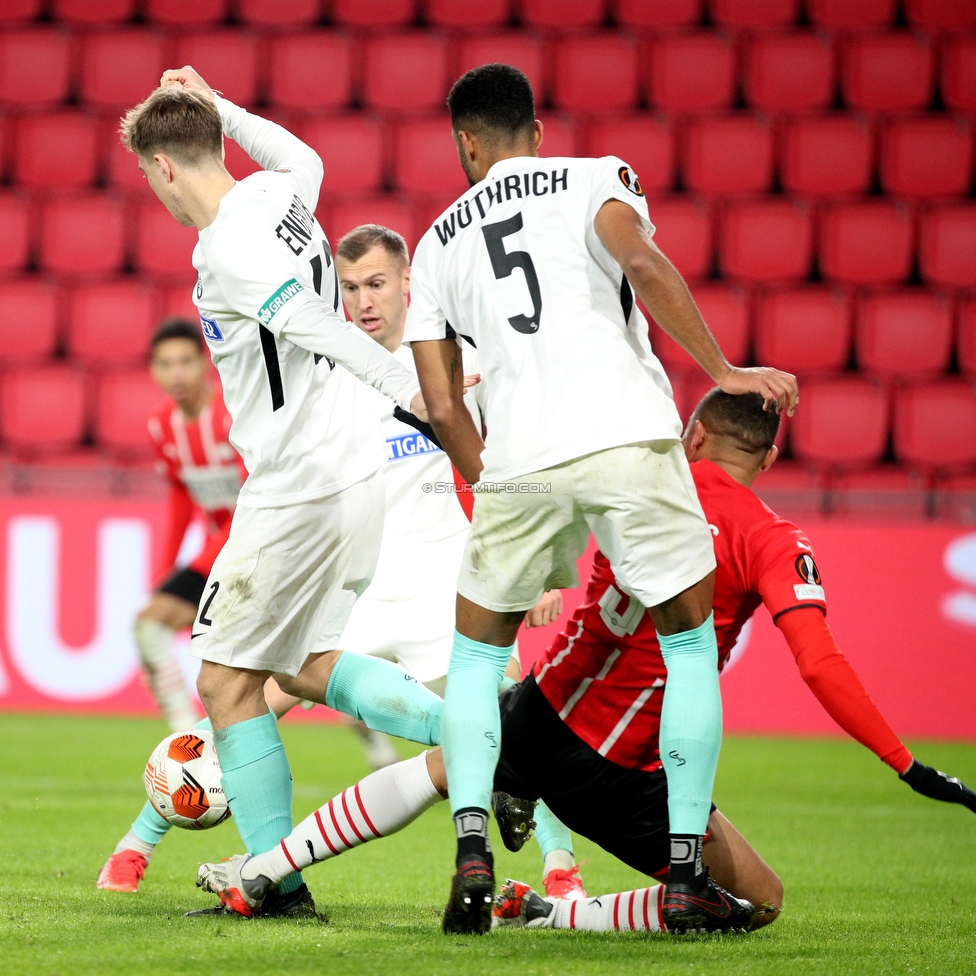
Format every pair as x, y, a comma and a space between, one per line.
163, 674
558, 861
377, 806
133, 842
630, 911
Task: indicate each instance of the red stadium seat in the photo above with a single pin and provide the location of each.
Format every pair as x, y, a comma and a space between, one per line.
848, 15
352, 148
596, 73
952, 15
866, 243
645, 142
562, 13
728, 154
14, 11
804, 330
121, 166
279, 13
16, 226
56, 150
426, 158
373, 13
179, 13
930, 156
935, 425
904, 334
560, 136
111, 322
29, 323
93, 11
769, 240
162, 246
947, 251
967, 337
406, 71
843, 423
691, 72
311, 70
42, 409
885, 492
522, 51
887, 72
386, 209
754, 14
238, 163
959, 73
120, 68
826, 156
684, 233
35, 67
658, 14
464, 13
228, 59
177, 300
789, 72
82, 234
123, 401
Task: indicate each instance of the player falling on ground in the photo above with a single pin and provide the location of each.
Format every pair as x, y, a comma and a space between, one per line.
189, 432
305, 535
537, 265
592, 711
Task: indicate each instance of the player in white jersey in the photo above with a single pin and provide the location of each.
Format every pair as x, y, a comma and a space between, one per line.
305, 536
537, 265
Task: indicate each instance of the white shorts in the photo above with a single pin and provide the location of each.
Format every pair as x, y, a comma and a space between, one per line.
640, 503
286, 580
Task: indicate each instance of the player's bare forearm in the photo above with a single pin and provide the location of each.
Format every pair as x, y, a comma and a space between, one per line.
441, 375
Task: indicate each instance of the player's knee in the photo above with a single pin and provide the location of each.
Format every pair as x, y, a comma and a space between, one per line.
768, 901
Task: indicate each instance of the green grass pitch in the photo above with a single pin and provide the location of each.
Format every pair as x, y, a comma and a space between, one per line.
878, 880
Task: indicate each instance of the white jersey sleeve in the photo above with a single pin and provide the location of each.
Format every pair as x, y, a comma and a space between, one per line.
613, 179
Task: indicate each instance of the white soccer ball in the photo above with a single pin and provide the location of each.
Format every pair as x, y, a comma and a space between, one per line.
183, 781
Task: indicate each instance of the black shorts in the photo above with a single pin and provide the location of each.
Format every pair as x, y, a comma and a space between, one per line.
625, 811
187, 584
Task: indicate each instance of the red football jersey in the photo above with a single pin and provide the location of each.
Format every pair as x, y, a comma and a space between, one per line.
605, 675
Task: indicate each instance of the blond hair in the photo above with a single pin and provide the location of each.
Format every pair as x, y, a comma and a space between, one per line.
180, 122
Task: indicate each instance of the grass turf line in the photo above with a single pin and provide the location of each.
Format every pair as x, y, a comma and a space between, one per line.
878, 879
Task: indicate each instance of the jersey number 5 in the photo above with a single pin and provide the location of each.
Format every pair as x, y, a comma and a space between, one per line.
503, 263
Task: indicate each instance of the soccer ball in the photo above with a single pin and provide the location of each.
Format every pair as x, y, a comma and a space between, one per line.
183, 781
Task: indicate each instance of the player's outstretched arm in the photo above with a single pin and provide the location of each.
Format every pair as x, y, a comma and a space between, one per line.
666, 296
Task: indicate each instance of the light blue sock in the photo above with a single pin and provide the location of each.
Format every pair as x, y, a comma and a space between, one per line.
505, 684
691, 725
471, 727
551, 833
385, 697
257, 782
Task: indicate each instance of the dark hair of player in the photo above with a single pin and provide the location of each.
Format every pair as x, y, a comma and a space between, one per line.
493, 102
739, 417
177, 328
180, 122
367, 236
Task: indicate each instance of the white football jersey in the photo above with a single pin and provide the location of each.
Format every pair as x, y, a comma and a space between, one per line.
516, 266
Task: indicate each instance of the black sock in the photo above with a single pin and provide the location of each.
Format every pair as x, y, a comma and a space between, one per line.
686, 861
471, 824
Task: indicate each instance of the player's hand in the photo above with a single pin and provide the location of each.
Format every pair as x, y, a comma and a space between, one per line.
779, 390
187, 78
418, 408
472, 379
546, 610
930, 782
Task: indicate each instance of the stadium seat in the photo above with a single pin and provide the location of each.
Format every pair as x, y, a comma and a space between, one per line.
931, 156
123, 400
769, 240
657, 14
29, 323
121, 167
947, 251
162, 246
935, 425
426, 158
691, 72
848, 15
352, 148
177, 300
934, 15
887, 72
959, 73
523, 51
56, 149
42, 409
93, 11
406, 71
238, 163
728, 154
373, 13
464, 13
866, 243
827, 156
843, 423
560, 135
391, 211
179, 13
754, 14
645, 142
967, 337
597, 73
120, 68
110, 322
904, 334
562, 13
310, 71
82, 233
228, 59
17, 11
884, 492
35, 67
279, 13
684, 233
804, 330
789, 72
16, 227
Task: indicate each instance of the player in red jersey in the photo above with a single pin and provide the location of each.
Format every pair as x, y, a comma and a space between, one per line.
189, 430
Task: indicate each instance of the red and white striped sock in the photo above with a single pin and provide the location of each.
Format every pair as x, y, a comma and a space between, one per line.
377, 806
629, 911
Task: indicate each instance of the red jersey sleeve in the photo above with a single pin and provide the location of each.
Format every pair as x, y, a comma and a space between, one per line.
784, 569
178, 516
